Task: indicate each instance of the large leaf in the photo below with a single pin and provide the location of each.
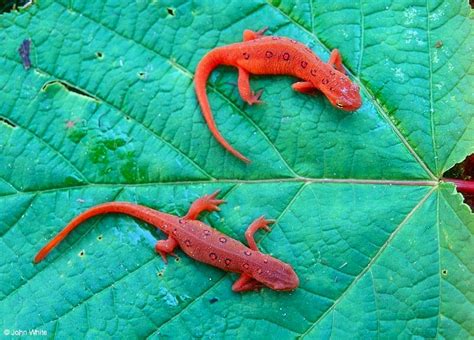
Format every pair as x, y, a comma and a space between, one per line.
107, 112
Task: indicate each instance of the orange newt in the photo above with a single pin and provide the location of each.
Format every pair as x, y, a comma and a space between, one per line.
275, 55
201, 242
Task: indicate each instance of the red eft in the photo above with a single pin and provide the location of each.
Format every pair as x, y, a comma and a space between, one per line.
200, 242
258, 54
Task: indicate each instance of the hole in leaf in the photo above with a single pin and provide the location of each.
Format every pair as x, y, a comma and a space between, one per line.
14, 5
177, 259
213, 300
82, 253
99, 54
7, 122
444, 272
68, 87
100, 237
171, 11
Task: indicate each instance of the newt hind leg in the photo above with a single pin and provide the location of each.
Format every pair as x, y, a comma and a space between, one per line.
244, 88
204, 203
165, 247
252, 35
259, 223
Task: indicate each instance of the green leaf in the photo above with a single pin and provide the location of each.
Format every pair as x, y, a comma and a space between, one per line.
107, 111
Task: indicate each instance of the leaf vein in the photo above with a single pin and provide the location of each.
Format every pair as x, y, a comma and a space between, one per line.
370, 264
369, 94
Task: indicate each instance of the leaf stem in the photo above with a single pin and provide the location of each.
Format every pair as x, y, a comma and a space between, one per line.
463, 186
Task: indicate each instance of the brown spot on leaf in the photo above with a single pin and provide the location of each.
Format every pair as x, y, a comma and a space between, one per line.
24, 51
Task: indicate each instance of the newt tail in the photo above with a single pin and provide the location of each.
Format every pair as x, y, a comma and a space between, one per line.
210, 61
143, 213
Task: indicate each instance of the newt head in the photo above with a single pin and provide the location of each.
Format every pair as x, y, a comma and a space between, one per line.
342, 92
276, 274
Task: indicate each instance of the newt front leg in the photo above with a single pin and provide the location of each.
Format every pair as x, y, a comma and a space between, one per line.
305, 87
252, 35
245, 282
335, 60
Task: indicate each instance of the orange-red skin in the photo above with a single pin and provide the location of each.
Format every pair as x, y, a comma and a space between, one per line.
275, 55
199, 241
